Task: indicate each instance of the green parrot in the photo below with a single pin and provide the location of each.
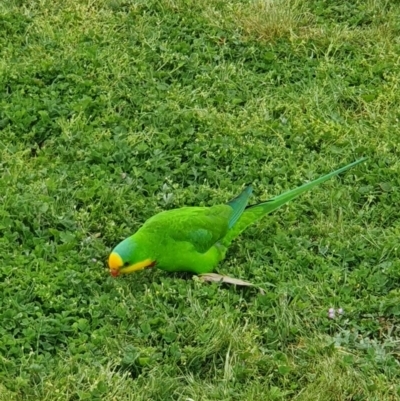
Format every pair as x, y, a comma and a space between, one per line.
195, 239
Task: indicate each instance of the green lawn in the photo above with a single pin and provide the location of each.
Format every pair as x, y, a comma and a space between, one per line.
114, 110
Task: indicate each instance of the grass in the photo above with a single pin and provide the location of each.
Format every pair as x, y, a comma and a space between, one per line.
113, 110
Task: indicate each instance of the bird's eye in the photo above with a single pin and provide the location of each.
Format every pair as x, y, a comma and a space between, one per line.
126, 264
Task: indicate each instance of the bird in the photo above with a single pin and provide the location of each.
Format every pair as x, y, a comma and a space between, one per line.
196, 239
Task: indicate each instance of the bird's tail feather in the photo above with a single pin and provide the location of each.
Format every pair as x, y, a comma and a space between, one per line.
256, 212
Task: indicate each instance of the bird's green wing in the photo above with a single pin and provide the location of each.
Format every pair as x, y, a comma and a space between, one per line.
238, 205
200, 226
203, 227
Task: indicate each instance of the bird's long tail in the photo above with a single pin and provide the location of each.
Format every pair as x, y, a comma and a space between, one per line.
253, 213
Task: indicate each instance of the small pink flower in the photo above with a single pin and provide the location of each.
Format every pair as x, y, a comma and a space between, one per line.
331, 313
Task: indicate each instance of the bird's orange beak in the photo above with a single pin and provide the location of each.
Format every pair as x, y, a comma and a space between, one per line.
115, 263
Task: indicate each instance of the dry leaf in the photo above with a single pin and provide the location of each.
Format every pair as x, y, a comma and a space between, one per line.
218, 278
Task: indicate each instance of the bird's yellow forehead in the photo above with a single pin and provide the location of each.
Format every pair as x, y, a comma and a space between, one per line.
115, 261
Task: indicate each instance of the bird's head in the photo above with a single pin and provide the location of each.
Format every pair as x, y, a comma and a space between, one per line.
127, 258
